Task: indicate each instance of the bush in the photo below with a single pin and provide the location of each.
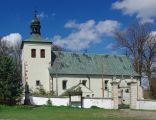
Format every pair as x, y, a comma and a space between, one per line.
49, 103
40, 91
95, 107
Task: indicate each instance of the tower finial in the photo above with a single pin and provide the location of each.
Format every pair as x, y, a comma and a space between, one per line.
35, 13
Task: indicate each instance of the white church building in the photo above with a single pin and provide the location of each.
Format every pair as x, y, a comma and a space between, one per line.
61, 72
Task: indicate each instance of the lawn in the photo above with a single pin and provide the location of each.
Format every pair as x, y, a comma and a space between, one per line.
60, 113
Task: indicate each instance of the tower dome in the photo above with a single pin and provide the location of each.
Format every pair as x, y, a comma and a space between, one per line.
35, 25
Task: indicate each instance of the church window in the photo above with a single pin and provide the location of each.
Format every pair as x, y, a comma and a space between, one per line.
127, 90
84, 82
88, 96
42, 53
37, 83
64, 84
106, 84
33, 53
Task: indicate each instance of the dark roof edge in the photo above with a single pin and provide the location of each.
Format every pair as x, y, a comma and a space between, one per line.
93, 74
43, 42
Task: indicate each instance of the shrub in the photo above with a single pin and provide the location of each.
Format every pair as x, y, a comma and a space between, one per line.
49, 102
94, 107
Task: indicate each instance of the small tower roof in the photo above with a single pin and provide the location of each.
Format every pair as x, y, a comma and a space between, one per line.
35, 25
35, 36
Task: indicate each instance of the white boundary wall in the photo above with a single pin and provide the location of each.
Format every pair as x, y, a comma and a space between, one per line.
146, 104
106, 103
54, 101
98, 102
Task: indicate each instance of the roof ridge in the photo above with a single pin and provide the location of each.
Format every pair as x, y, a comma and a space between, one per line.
90, 53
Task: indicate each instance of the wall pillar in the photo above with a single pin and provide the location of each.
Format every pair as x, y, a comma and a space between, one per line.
115, 93
133, 94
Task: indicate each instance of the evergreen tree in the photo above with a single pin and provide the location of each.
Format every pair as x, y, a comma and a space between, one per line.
10, 80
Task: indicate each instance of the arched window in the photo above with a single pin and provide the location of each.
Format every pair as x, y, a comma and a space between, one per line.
42, 53
64, 84
33, 53
106, 84
38, 83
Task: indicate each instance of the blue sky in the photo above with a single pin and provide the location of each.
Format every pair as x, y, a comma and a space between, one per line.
75, 24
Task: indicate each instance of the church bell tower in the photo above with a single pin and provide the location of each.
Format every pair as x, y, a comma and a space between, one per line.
36, 58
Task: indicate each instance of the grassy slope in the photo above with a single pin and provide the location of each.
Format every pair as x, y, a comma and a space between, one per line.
54, 113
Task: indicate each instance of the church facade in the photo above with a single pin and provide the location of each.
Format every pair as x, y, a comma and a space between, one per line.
61, 72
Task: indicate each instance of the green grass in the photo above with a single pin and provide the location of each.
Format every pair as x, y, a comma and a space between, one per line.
56, 113
148, 94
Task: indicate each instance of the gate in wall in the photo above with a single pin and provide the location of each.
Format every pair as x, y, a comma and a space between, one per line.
132, 93
75, 99
123, 95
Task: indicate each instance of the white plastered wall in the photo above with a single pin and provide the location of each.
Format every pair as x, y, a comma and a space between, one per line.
95, 85
36, 68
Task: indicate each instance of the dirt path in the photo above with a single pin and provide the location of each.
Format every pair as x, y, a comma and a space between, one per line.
147, 115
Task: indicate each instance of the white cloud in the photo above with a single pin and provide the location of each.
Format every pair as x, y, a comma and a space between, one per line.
151, 41
42, 15
71, 24
12, 39
153, 33
85, 34
143, 9
107, 26
110, 46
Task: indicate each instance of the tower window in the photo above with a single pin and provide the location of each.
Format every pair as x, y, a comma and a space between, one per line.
106, 84
64, 84
37, 83
33, 53
42, 53
84, 82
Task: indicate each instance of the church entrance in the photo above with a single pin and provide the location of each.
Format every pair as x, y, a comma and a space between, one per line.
75, 98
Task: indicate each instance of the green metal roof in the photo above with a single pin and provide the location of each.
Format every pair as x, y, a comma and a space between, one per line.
36, 38
90, 64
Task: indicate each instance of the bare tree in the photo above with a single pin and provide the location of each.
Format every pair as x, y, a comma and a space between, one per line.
4, 48
140, 46
13, 51
148, 57
59, 48
56, 48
